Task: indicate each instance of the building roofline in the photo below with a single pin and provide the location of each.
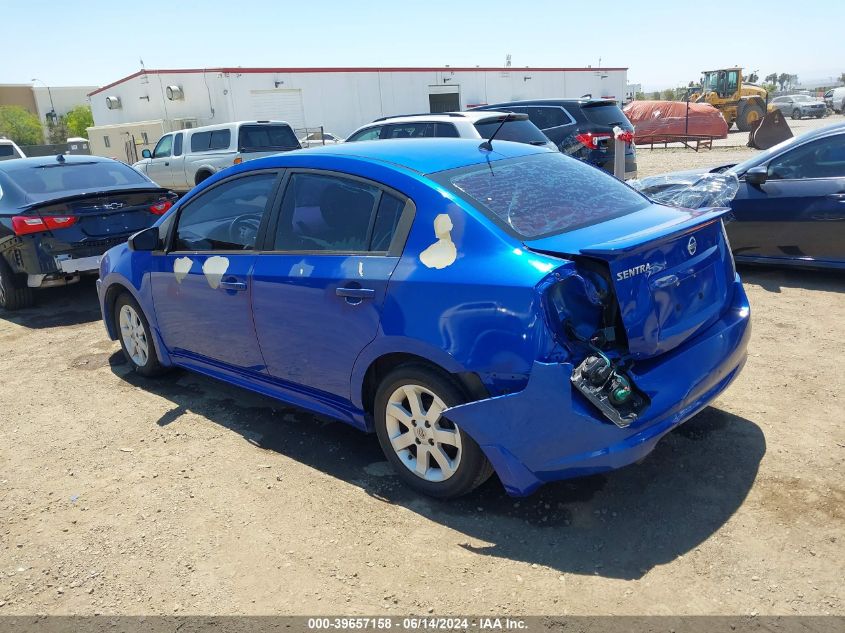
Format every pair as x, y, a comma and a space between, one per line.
363, 69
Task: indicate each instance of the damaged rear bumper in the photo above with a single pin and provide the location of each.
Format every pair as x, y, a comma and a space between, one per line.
545, 433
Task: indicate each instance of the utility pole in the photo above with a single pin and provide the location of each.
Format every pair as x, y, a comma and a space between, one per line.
52, 113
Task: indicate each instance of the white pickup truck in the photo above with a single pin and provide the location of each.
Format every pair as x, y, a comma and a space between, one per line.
185, 158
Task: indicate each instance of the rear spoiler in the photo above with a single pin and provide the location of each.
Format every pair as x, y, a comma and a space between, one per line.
635, 241
33, 204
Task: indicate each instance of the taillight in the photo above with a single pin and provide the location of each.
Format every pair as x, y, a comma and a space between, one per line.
590, 140
161, 207
26, 224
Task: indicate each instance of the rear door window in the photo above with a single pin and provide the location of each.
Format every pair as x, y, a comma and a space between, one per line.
326, 213
220, 139
267, 138
419, 129
547, 117
446, 130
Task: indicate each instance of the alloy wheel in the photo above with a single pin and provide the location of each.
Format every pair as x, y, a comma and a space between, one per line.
133, 335
426, 443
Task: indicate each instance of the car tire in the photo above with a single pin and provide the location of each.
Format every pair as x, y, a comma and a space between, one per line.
407, 406
203, 175
135, 337
13, 294
796, 114
748, 116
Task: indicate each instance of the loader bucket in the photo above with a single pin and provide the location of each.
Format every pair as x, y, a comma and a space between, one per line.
769, 131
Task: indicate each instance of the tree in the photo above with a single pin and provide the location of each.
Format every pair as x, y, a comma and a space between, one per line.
78, 120
772, 78
842, 79
57, 132
752, 78
20, 125
668, 94
655, 95
640, 96
770, 87
785, 79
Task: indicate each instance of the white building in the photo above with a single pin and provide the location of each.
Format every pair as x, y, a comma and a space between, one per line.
131, 113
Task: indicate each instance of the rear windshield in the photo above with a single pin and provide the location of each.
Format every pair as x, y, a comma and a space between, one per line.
46, 181
266, 138
604, 114
7, 150
543, 194
521, 131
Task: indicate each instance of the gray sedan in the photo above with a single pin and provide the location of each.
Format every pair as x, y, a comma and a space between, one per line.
799, 106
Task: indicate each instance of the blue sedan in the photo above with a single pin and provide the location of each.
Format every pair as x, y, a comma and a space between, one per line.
481, 308
789, 208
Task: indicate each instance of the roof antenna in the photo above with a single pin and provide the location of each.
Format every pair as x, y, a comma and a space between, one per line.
488, 144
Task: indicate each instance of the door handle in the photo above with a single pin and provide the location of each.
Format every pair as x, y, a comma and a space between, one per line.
355, 293
233, 285
167, 164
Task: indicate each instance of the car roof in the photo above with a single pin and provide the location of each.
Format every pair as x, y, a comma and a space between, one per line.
580, 101
441, 117
424, 155
37, 161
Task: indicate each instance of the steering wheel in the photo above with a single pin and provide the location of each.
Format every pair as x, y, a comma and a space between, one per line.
244, 229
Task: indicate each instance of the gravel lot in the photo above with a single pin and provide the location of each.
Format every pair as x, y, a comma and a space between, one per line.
183, 495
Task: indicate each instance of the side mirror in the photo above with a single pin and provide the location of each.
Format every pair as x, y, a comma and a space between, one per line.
146, 154
757, 175
146, 240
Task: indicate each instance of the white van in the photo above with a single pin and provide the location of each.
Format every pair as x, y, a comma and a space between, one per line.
185, 158
8, 150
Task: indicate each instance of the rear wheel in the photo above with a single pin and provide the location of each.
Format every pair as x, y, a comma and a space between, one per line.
428, 451
135, 337
796, 114
202, 175
13, 294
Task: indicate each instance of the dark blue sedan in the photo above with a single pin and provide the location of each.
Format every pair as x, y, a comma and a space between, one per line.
508, 309
59, 214
789, 208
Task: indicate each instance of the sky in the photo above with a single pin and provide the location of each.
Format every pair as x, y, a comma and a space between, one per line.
664, 44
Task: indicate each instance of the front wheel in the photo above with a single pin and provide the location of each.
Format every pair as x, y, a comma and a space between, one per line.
796, 114
135, 337
427, 450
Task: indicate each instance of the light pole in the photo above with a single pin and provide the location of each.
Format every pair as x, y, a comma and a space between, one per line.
52, 113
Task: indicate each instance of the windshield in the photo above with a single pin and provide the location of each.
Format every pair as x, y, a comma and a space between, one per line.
41, 182
263, 138
521, 131
606, 114
542, 194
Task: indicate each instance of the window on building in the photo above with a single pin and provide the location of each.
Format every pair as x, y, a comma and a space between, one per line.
106, 141
145, 138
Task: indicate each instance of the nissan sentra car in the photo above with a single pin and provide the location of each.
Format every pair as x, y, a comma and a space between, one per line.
492, 307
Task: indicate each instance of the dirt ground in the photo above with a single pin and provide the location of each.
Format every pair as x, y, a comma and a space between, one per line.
122, 495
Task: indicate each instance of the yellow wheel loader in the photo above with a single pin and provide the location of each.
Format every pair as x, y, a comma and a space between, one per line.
739, 102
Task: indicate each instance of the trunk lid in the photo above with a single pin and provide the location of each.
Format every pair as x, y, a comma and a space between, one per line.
105, 213
671, 271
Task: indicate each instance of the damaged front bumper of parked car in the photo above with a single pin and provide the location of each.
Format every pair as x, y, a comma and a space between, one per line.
549, 431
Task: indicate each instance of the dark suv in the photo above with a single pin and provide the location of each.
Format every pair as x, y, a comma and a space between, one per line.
582, 128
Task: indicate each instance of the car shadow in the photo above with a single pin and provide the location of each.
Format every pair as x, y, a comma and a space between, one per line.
775, 279
617, 525
58, 307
